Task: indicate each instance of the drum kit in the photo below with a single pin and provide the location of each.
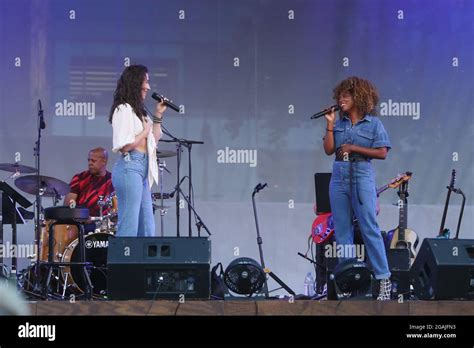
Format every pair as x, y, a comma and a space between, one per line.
68, 280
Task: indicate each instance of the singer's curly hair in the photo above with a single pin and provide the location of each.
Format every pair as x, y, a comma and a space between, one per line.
364, 93
129, 88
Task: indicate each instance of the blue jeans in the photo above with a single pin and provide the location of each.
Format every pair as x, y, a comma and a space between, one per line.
364, 200
130, 180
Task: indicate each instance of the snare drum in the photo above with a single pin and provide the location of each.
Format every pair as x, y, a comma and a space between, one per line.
96, 246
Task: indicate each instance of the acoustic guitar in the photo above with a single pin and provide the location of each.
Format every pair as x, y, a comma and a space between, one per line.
402, 237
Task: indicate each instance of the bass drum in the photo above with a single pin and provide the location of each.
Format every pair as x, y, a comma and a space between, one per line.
96, 246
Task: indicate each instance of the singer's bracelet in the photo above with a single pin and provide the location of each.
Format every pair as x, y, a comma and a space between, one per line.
157, 119
330, 130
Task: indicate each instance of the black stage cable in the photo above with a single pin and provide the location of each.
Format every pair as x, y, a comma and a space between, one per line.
153, 299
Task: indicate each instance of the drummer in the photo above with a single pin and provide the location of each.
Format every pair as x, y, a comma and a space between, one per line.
87, 186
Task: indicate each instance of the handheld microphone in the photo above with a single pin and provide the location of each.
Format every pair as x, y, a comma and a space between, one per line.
325, 111
159, 98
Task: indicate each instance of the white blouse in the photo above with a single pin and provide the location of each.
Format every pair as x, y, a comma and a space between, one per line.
126, 126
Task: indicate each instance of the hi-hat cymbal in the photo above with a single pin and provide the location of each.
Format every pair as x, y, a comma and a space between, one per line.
163, 154
15, 167
51, 186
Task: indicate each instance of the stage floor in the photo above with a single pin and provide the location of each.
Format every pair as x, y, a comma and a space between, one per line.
252, 308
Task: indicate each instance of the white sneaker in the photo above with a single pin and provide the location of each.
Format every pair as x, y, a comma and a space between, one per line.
384, 290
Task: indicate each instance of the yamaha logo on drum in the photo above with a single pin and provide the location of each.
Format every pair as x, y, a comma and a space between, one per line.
96, 244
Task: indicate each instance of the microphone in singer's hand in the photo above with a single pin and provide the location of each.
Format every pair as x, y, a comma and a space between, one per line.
325, 111
164, 100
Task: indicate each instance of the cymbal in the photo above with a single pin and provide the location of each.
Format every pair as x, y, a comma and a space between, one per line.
15, 167
51, 186
163, 154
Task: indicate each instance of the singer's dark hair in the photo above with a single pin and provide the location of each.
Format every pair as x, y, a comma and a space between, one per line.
364, 93
129, 88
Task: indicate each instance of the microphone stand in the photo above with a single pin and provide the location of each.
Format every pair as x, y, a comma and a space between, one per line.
260, 242
200, 224
187, 144
180, 143
163, 210
37, 153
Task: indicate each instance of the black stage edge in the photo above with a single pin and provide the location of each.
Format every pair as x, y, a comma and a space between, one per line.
136, 331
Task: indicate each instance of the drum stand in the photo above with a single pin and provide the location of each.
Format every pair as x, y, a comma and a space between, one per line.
163, 210
39, 213
104, 222
67, 216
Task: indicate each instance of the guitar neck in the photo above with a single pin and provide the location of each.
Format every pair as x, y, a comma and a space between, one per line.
403, 213
402, 219
382, 189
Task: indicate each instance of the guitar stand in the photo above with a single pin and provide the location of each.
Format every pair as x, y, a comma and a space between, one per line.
451, 188
459, 192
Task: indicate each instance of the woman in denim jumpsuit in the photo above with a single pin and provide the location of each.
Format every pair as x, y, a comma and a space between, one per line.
357, 138
135, 136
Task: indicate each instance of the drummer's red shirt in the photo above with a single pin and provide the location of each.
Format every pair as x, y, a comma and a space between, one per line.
89, 187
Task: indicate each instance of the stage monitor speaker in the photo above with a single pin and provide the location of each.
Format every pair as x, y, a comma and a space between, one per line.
444, 270
321, 185
158, 267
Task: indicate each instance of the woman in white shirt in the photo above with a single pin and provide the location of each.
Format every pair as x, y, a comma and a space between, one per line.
135, 136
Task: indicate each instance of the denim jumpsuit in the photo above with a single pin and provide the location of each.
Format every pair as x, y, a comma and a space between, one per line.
129, 177
368, 132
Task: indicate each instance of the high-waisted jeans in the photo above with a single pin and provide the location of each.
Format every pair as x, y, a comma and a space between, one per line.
130, 180
364, 200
